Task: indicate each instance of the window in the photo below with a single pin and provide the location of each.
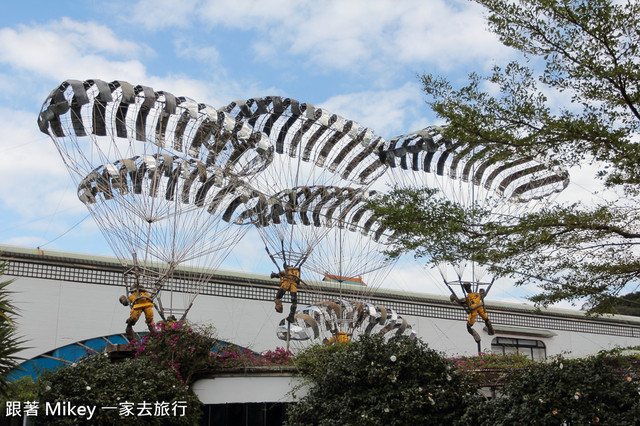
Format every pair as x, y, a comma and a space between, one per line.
533, 349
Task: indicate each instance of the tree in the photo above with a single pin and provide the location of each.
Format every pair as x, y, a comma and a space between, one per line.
587, 52
10, 343
371, 381
629, 304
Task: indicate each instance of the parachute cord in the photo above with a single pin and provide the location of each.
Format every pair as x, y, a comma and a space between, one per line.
148, 243
65, 232
489, 287
272, 258
340, 259
444, 279
295, 201
174, 256
473, 203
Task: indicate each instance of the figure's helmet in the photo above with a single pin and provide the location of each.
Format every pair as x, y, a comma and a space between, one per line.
467, 287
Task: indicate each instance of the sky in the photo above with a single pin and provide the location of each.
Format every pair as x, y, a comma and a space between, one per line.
359, 59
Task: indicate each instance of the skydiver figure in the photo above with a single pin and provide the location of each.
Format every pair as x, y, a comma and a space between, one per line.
140, 302
474, 304
339, 337
289, 281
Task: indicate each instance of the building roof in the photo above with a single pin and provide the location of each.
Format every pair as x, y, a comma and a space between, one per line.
9, 252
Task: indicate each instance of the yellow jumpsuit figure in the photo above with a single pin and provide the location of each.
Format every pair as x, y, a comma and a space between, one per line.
289, 281
340, 337
475, 306
140, 302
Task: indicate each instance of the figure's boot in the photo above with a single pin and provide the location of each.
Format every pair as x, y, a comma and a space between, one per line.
474, 333
129, 332
490, 329
278, 305
294, 307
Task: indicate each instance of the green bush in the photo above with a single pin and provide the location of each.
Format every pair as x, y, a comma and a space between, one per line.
23, 389
371, 381
96, 382
597, 389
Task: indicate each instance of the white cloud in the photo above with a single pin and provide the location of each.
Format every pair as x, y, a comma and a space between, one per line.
387, 112
66, 49
359, 34
32, 177
447, 34
248, 14
158, 14
585, 187
186, 48
37, 197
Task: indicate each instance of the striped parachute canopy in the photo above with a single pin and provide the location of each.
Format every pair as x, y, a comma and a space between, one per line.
467, 175
161, 176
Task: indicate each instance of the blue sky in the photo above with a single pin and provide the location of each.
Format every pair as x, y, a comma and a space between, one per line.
359, 59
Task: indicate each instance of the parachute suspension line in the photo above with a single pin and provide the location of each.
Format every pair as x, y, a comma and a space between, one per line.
296, 183
272, 258
65, 232
473, 206
285, 259
148, 242
444, 278
136, 274
150, 219
173, 256
489, 286
340, 259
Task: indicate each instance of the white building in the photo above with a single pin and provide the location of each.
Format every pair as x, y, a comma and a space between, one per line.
64, 298
69, 304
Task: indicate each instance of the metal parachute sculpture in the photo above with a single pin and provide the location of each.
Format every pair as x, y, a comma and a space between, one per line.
174, 184
306, 198
467, 176
309, 210
160, 175
313, 148
347, 248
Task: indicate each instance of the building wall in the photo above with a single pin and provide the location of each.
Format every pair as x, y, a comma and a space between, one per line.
250, 388
58, 313
65, 298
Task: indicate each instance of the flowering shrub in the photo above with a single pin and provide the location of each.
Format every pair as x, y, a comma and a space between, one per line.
278, 357
180, 346
96, 382
371, 381
597, 389
233, 356
191, 350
